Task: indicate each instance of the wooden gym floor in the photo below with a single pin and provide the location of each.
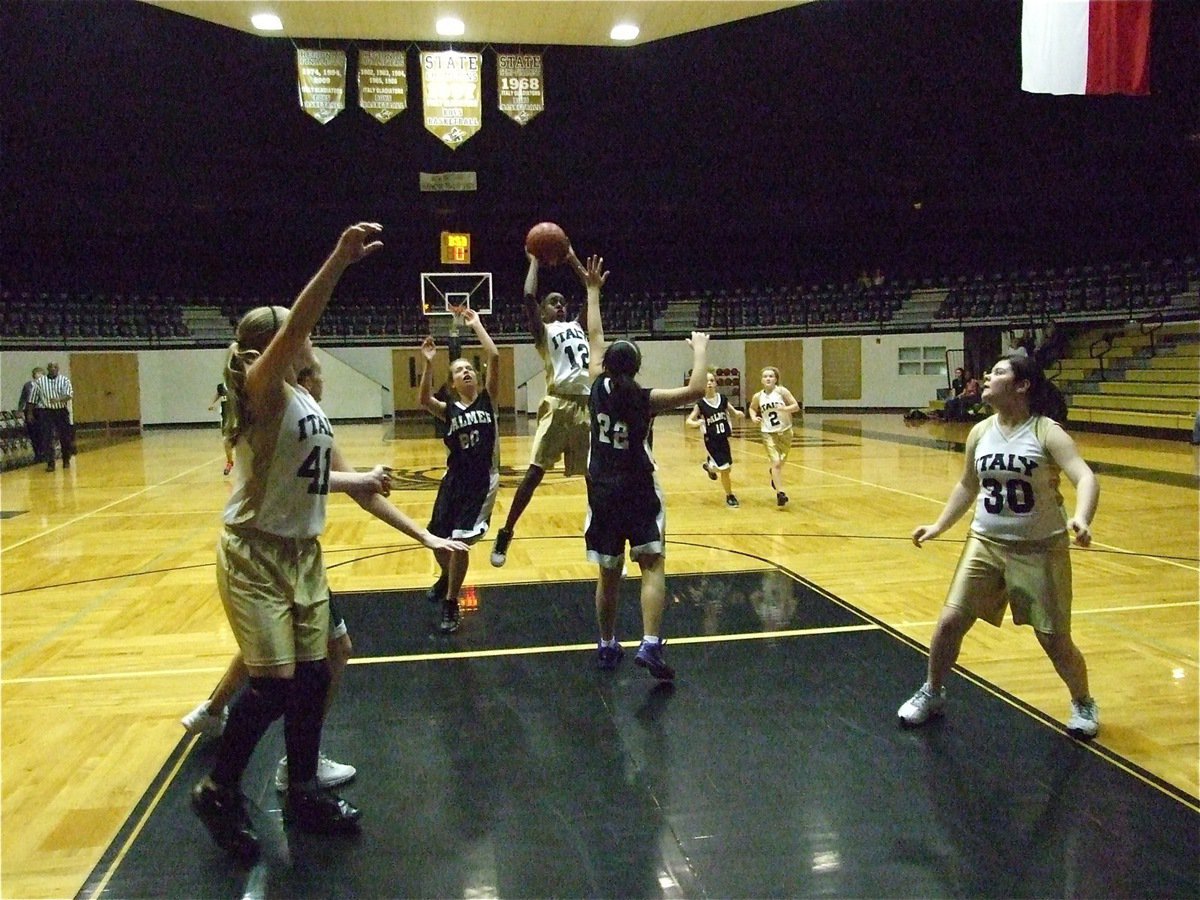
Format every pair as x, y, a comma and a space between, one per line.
497, 762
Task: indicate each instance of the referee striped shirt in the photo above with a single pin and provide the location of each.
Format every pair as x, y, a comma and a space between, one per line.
52, 393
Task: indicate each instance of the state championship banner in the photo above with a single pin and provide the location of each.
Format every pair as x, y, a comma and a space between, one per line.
1085, 46
521, 85
451, 89
322, 80
448, 181
383, 82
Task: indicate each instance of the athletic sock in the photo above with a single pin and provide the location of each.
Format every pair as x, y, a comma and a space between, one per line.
250, 715
303, 717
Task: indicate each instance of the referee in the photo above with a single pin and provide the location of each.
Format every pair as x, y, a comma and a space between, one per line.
52, 395
26, 406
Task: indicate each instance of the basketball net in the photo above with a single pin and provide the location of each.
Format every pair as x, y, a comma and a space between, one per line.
456, 322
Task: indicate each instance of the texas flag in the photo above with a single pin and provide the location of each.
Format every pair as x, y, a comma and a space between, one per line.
1085, 46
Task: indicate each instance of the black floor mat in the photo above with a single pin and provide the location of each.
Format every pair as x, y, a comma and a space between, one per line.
774, 767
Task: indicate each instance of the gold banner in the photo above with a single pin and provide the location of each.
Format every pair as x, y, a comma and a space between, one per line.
322, 80
383, 82
448, 181
452, 95
521, 85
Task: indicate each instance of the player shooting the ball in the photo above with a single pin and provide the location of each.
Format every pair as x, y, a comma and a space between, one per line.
563, 428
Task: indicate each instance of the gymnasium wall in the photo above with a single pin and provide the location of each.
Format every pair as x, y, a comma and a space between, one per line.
177, 386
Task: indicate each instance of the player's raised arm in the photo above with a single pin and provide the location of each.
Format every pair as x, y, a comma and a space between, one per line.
425, 395
266, 375
664, 399
533, 309
593, 278
492, 375
581, 271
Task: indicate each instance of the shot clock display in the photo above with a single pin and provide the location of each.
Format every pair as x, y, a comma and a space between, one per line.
456, 248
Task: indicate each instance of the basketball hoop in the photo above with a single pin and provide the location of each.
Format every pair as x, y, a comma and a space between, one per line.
456, 321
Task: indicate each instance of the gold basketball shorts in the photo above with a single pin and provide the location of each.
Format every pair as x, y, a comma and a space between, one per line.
275, 594
563, 430
778, 444
1031, 577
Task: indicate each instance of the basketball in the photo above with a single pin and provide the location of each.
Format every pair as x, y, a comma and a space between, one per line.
548, 243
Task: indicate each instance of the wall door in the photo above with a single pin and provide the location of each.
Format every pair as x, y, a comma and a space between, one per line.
785, 355
106, 388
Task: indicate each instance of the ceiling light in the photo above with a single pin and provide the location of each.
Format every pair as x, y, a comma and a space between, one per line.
266, 22
626, 31
450, 26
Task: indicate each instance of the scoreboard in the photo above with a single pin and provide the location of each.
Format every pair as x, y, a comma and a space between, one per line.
456, 248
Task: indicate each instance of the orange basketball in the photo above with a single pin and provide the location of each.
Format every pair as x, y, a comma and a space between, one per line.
548, 243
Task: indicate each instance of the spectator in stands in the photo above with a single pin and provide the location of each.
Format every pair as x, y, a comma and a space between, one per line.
958, 407
1053, 345
29, 409
1025, 342
958, 382
52, 394
1016, 344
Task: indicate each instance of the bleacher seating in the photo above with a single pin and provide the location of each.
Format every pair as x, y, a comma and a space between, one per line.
1016, 298
1144, 376
1073, 292
81, 317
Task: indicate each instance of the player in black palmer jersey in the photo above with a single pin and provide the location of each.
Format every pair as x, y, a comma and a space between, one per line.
468, 491
711, 415
625, 501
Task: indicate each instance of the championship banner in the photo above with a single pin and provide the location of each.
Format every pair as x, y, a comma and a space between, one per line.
520, 85
322, 80
382, 82
452, 93
448, 181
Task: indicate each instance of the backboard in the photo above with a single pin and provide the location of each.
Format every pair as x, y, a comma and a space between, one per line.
442, 290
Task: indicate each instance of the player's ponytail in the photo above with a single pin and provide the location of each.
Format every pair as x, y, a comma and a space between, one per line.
254, 332
622, 360
1045, 399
